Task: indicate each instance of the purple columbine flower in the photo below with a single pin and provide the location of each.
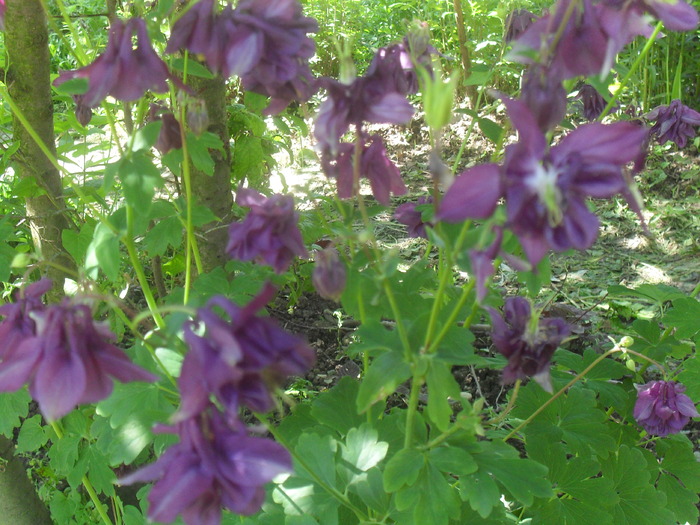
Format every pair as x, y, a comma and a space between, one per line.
215, 465
662, 408
19, 324
384, 177
270, 231
238, 359
169, 137
545, 96
517, 22
67, 361
528, 348
3, 8
675, 122
593, 102
676, 15
329, 275
545, 188
122, 71
411, 214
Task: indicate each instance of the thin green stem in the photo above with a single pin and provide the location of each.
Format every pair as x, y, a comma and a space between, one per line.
647, 46
509, 406
128, 241
412, 409
435, 342
86, 482
441, 438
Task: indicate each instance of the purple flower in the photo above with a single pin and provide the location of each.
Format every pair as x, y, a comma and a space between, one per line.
593, 102
482, 263
329, 274
19, 324
528, 349
411, 214
169, 137
122, 71
675, 122
545, 96
384, 177
546, 188
662, 408
269, 232
676, 16
214, 465
239, 359
67, 361
3, 8
517, 22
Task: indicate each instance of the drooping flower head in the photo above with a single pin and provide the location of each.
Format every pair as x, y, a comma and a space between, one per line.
67, 361
329, 274
169, 137
528, 348
675, 122
3, 8
18, 323
411, 214
269, 232
593, 102
662, 408
215, 465
545, 188
517, 22
238, 358
122, 71
384, 177
544, 95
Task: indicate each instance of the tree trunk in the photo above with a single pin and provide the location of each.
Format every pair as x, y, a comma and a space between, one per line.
19, 503
214, 191
464, 50
26, 39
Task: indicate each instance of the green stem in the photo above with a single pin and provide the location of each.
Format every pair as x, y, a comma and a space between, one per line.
128, 240
509, 406
441, 438
647, 46
86, 482
466, 289
416, 384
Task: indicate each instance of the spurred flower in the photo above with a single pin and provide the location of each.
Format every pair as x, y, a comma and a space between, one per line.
593, 102
384, 177
329, 274
169, 137
269, 232
67, 361
122, 71
411, 214
675, 122
676, 15
215, 465
546, 188
662, 408
545, 96
517, 22
19, 324
239, 358
528, 348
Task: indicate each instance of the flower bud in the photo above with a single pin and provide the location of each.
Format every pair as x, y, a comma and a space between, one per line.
329, 274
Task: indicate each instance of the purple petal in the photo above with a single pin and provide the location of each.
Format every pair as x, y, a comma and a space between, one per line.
474, 194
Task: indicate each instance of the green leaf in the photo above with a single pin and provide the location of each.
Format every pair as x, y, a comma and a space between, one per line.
432, 499
452, 460
337, 407
481, 491
371, 491
77, 243
491, 130
247, 157
362, 451
93, 463
166, 232
13, 406
690, 377
681, 501
639, 501
684, 317
32, 435
402, 469
64, 454
103, 253
385, 373
677, 458
139, 178
194, 68
198, 148
300, 497
147, 136
442, 387
73, 86
318, 453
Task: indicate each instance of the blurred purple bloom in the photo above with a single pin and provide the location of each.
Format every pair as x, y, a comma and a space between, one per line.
528, 352
169, 137
269, 232
676, 15
214, 465
329, 274
411, 214
587, 44
239, 358
67, 361
19, 324
545, 96
3, 8
662, 408
122, 71
384, 177
546, 188
482, 263
593, 102
517, 22
675, 122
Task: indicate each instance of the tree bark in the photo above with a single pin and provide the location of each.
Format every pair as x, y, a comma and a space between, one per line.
214, 191
26, 40
464, 50
19, 503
